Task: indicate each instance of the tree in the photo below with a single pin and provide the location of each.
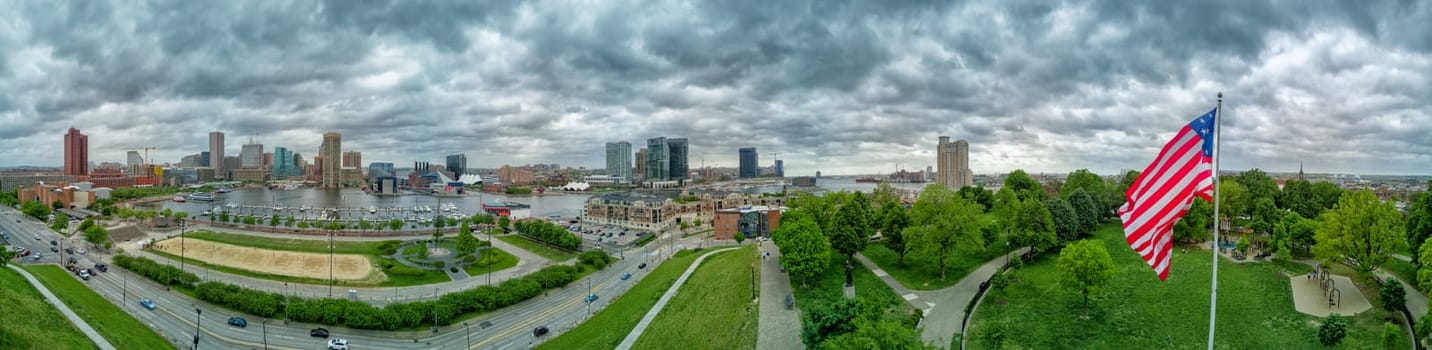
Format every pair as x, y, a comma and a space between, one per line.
1032, 226
466, 243
57, 205
1297, 231
805, 252
395, 224
1298, 197
1424, 273
1361, 230
884, 193
1082, 179
273, 220
288, 222
1088, 208
1333, 330
740, 237
1259, 186
96, 235
1023, 185
893, 221
5, 255
829, 320
1392, 296
1232, 199
1419, 219
944, 223
978, 194
35, 210
1195, 225
62, 222
1066, 222
853, 226
1085, 267
1265, 215
882, 334
1327, 194
504, 222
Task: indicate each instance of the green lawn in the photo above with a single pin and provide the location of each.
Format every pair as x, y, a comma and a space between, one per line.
1405, 270
116, 326
923, 272
607, 328
714, 309
374, 251
538, 248
1137, 311
505, 260
31, 323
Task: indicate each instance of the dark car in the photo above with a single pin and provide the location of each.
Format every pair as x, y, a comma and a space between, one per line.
53, 242
591, 298
318, 332
101, 267
540, 331
238, 322
54, 250
790, 302
642, 266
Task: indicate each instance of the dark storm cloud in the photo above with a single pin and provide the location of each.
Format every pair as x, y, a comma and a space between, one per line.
837, 86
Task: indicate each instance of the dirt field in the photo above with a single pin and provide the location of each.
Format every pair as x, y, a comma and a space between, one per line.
278, 262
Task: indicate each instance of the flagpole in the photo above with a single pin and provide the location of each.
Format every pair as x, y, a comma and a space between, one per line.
1213, 299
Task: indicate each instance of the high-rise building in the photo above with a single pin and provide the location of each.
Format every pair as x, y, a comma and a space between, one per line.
750, 163
284, 164
377, 170
76, 153
204, 159
658, 163
619, 160
676, 155
352, 159
216, 155
268, 160
251, 156
332, 149
641, 162
231, 163
135, 162
953, 162
780, 168
457, 164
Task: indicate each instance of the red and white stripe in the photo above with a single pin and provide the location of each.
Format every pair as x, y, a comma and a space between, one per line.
1162, 194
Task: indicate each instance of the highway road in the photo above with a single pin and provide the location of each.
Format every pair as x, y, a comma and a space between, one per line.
175, 318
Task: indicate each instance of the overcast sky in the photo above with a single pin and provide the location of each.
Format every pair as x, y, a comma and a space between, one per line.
833, 86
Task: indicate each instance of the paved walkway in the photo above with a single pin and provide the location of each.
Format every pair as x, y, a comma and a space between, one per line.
944, 309
1416, 301
661, 303
780, 329
79, 323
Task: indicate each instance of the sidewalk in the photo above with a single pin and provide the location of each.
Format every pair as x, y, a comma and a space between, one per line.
636, 332
945, 308
1416, 301
780, 329
79, 323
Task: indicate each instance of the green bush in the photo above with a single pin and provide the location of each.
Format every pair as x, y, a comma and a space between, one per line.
440, 264
998, 283
1333, 330
452, 269
1392, 295
1390, 334
549, 233
645, 239
469, 259
389, 247
161, 273
401, 270
596, 258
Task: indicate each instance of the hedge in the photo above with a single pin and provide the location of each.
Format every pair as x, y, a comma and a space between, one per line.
549, 233
358, 315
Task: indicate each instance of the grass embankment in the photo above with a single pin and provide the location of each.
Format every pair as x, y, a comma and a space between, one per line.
540, 249
31, 323
714, 309
923, 273
611, 325
501, 260
116, 326
1137, 311
1405, 270
376, 252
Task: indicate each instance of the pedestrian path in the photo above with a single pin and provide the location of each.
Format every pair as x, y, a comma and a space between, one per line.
636, 332
780, 329
70, 314
1416, 301
944, 309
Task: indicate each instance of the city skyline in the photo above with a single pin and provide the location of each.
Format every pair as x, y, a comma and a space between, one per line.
1065, 86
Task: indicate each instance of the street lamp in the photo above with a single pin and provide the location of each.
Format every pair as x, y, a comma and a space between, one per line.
1006, 253
265, 324
469, 334
197, 314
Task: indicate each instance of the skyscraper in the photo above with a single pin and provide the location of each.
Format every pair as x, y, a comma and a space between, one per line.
283, 164
953, 160
332, 150
136, 163
641, 162
76, 153
216, 154
457, 164
780, 168
750, 163
353, 159
666, 159
619, 160
251, 155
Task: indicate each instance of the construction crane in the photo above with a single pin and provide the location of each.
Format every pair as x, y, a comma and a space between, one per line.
774, 161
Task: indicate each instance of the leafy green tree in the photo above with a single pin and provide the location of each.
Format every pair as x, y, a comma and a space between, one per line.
9, 198
943, 224
1361, 230
1085, 267
1391, 335
504, 222
1298, 197
829, 320
1424, 273
1032, 226
288, 222
1023, 185
5, 255
273, 220
1195, 225
893, 221
805, 252
1419, 219
96, 234
740, 237
1333, 330
1232, 199
1087, 208
854, 224
57, 205
1327, 194
883, 334
1392, 296
1066, 222
978, 194
1265, 215
395, 224
884, 193
35, 210
62, 222
1005, 210
1082, 179
1297, 231
1259, 186
466, 243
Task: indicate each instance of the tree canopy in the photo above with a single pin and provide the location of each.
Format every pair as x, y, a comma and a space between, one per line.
1066, 221
1087, 208
1419, 219
854, 225
1232, 199
805, 251
1085, 267
1362, 230
1259, 185
978, 194
1023, 185
944, 223
1082, 179
1031, 225
1196, 224
893, 221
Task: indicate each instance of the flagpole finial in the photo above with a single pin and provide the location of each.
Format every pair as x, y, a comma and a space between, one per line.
1220, 95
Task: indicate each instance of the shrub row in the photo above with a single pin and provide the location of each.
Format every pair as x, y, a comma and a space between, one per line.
550, 233
164, 274
358, 315
596, 258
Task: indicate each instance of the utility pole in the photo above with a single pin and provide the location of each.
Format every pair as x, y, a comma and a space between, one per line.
181, 245
265, 323
197, 314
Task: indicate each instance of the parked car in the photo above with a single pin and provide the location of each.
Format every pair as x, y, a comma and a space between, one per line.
69, 250
318, 333
53, 242
238, 322
641, 266
591, 298
540, 331
338, 344
38, 256
146, 303
84, 275
54, 250
81, 251
626, 276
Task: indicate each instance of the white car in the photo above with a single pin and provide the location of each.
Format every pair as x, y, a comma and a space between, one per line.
338, 344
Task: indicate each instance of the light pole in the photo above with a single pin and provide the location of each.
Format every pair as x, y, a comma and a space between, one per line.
197, 315
469, 334
589, 297
181, 245
331, 226
1006, 253
265, 324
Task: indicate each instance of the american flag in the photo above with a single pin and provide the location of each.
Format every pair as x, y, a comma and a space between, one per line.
1164, 191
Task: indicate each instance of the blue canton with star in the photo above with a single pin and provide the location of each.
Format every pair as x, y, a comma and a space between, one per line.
1204, 127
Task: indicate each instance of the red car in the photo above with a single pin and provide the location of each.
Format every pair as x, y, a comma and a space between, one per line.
24, 253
